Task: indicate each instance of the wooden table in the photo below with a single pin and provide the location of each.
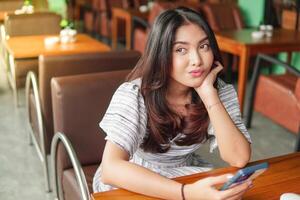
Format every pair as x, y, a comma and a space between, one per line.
282, 176
126, 15
23, 47
30, 47
240, 43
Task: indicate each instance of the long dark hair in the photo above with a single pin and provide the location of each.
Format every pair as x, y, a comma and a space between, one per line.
154, 69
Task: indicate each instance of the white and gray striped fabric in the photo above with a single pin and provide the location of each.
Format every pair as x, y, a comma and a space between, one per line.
125, 125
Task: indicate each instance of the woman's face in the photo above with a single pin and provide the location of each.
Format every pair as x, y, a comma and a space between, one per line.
191, 55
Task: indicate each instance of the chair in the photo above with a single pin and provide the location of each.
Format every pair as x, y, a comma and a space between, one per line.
97, 18
91, 14
79, 103
10, 5
38, 23
224, 16
22, 25
276, 96
142, 27
38, 93
7, 6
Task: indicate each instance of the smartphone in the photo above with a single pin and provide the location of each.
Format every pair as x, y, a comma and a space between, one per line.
247, 173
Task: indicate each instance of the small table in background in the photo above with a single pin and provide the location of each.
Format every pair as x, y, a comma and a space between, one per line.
30, 47
22, 47
240, 43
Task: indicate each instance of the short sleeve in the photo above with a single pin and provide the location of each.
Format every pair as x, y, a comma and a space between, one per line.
229, 99
125, 119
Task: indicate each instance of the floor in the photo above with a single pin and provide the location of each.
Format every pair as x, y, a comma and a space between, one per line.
21, 171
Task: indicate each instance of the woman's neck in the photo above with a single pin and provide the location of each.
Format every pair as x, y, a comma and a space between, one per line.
177, 94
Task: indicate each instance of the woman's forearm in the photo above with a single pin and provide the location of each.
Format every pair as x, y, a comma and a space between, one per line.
118, 171
130, 176
234, 147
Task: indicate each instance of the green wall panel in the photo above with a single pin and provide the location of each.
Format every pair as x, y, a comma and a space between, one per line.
58, 6
252, 11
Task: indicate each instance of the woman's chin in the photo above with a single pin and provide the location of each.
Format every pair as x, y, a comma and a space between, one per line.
196, 84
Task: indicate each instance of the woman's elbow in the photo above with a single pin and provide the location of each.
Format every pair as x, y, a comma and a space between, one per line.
239, 163
106, 175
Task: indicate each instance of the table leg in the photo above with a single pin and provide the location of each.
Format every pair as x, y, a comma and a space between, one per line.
229, 71
12, 78
128, 22
289, 57
242, 76
114, 30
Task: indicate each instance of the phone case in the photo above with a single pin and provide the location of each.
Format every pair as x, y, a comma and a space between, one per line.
248, 173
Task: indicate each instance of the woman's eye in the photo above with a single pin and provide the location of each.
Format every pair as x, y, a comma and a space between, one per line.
204, 47
181, 50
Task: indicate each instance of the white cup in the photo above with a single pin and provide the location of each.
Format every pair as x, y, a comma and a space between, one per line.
257, 34
68, 35
269, 30
143, 8
263, 28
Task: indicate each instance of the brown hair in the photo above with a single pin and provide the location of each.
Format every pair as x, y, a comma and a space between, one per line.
154, 68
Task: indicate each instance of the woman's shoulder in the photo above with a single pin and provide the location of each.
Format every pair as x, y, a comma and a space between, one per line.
226, 91
222, 85
129, 88
133, 85
128, 92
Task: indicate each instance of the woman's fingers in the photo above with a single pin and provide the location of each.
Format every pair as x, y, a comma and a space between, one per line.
236, 191
237, 196
216, 180
218, 68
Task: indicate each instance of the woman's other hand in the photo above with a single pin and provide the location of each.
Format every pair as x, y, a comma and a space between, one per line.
205, 189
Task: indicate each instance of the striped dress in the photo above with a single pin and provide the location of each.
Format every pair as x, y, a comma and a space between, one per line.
125, 125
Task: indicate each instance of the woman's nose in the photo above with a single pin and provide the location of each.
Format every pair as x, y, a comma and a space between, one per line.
195, 58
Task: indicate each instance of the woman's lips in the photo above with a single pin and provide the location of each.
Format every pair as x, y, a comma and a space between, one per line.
196, 73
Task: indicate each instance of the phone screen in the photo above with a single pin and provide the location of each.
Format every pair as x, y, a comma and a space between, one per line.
248, 173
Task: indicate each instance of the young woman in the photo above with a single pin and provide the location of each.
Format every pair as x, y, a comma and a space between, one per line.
172, 103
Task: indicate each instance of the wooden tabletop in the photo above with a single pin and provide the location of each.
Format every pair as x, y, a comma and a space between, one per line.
240, 43
32, 46
282, 176
281, 37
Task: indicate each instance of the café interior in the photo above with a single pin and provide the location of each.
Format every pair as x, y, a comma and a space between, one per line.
62, 60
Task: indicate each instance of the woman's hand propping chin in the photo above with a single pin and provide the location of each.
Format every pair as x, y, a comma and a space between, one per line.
206, 89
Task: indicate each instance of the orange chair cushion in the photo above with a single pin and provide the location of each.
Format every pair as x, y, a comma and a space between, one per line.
275, 98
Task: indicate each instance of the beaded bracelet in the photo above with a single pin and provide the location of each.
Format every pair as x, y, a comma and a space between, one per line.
212, 105
182, 192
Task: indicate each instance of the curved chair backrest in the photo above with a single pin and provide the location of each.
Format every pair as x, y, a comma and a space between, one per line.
140, 34
56, 66
38, 23
222, 16
159, 7
10, 5
79, 103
